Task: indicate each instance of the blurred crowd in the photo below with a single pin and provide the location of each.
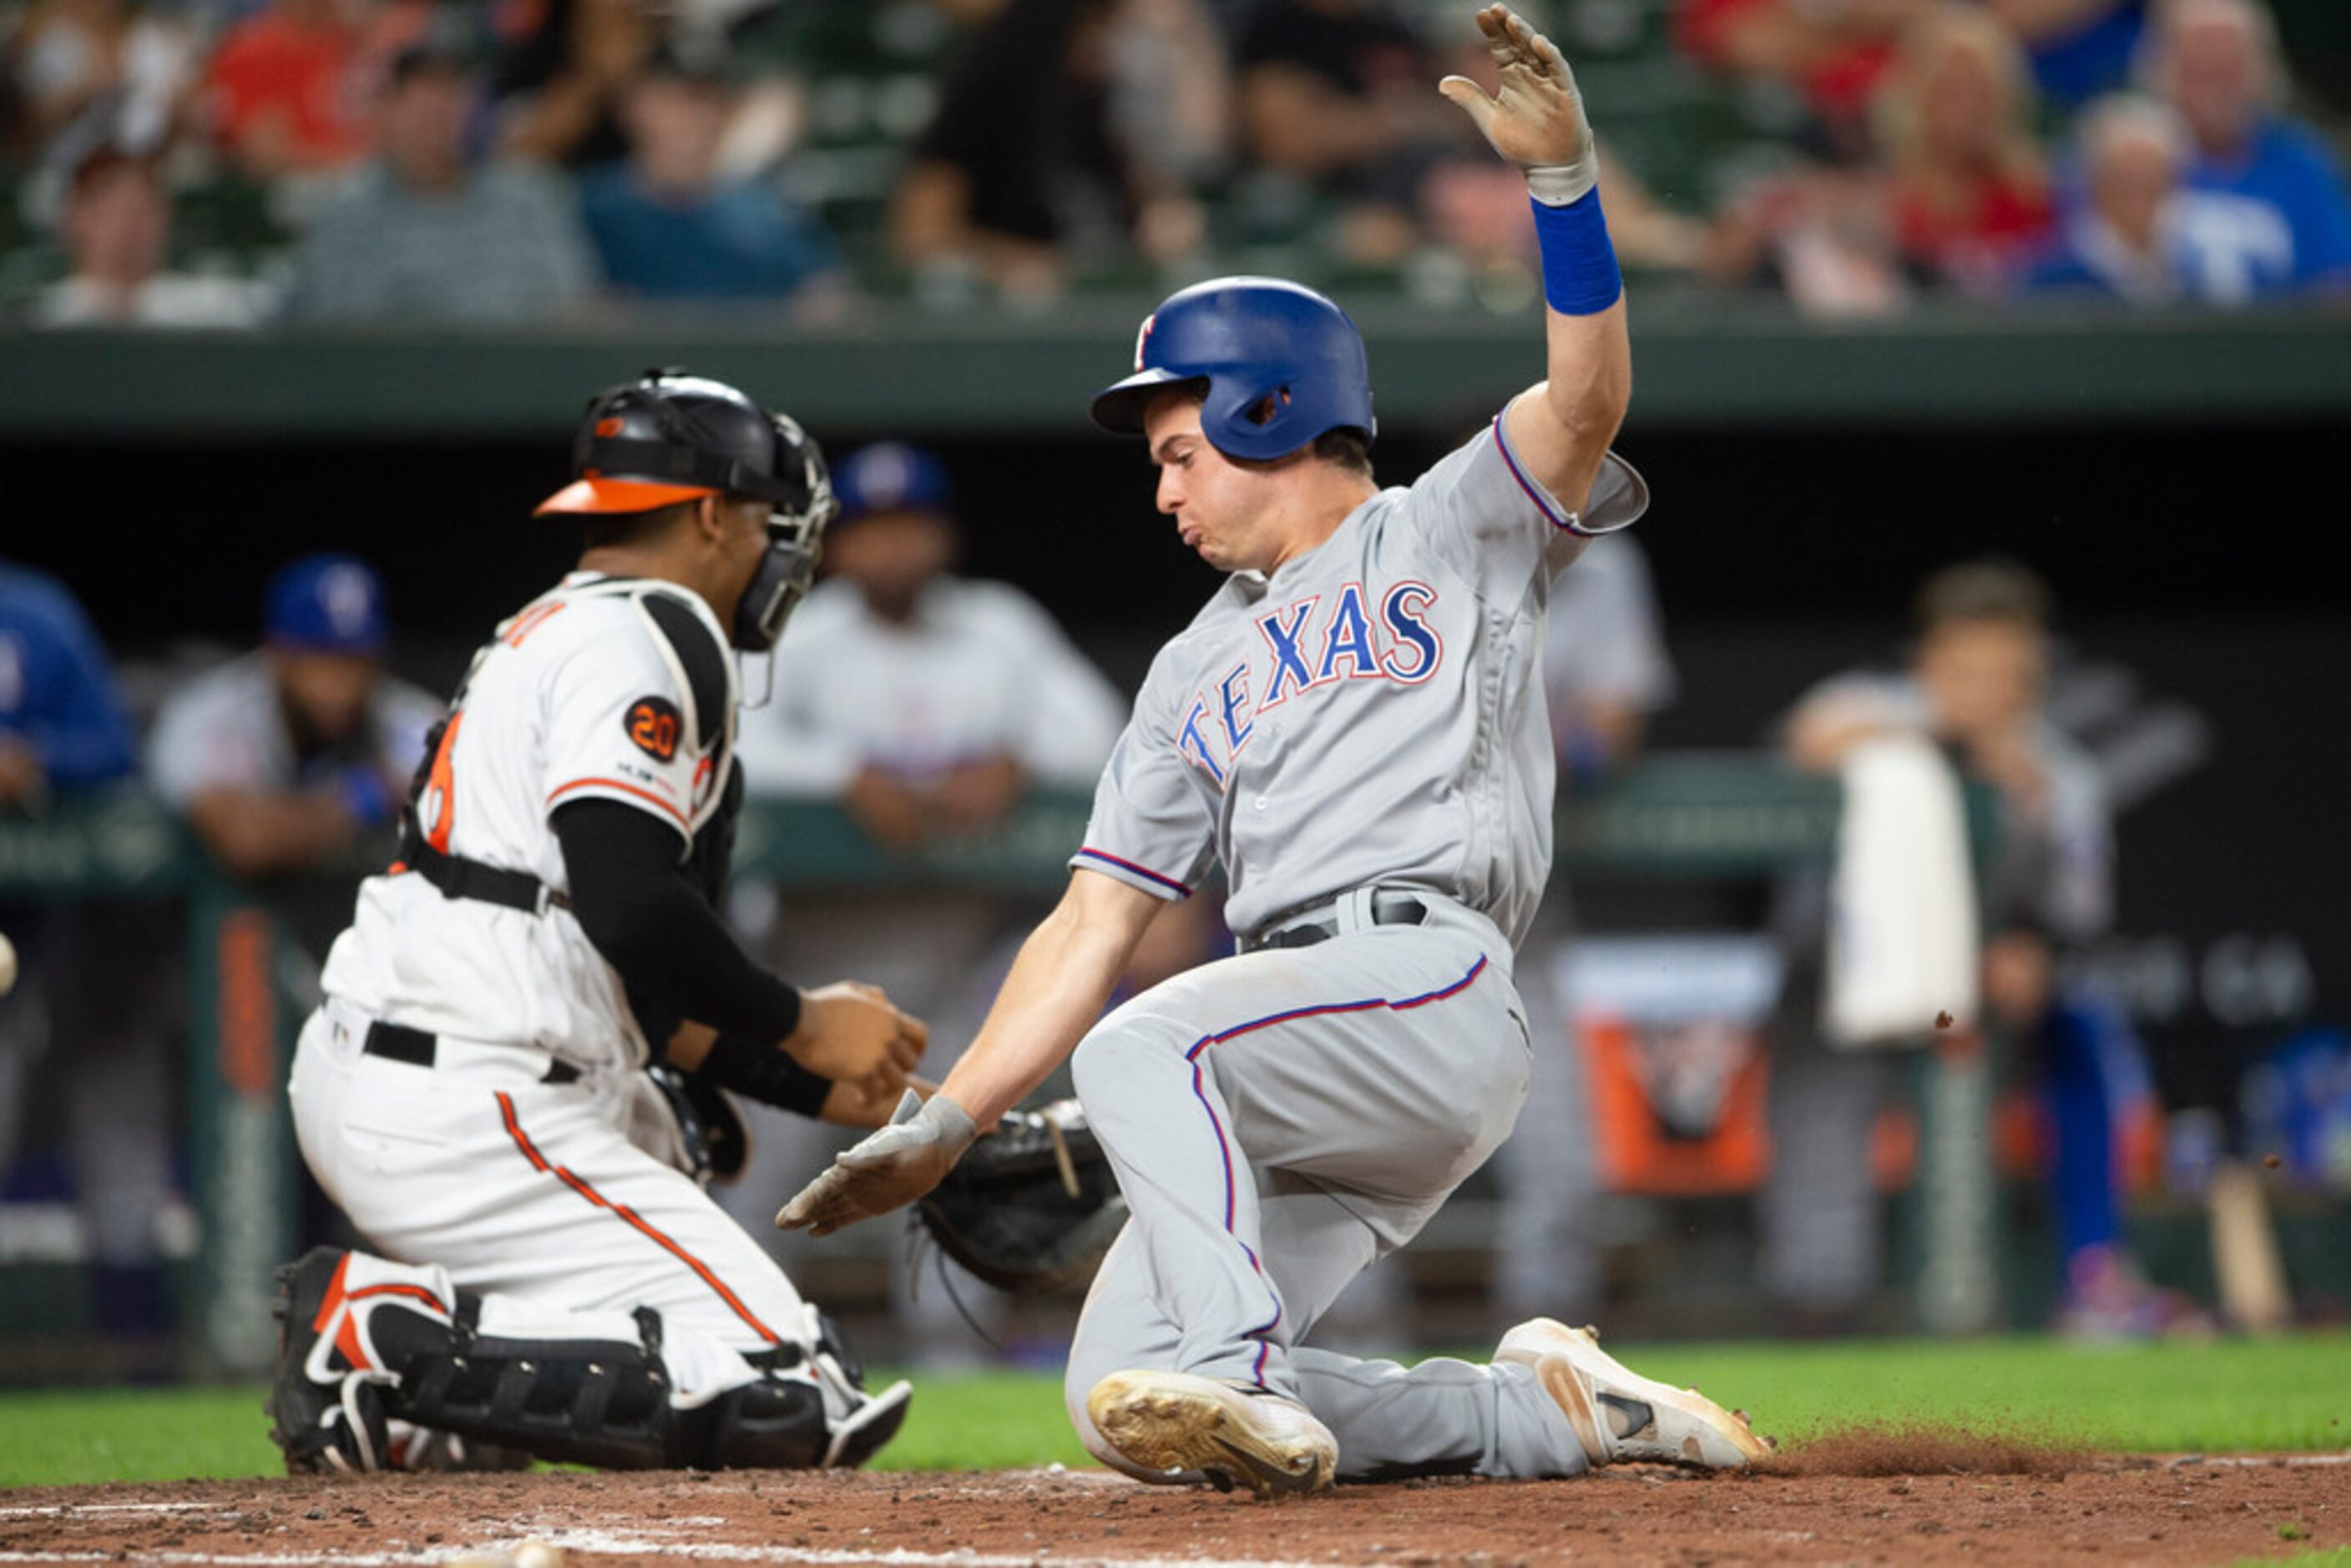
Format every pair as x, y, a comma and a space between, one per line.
231, 164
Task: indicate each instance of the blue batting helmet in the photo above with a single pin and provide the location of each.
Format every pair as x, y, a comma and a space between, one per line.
1281, 364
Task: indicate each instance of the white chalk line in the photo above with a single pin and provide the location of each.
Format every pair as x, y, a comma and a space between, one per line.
61, 1510
673, 1541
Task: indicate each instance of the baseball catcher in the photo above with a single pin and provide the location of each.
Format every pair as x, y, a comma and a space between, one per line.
1354, 726
547, 1277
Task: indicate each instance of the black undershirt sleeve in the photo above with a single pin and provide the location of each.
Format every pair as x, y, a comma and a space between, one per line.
641, 909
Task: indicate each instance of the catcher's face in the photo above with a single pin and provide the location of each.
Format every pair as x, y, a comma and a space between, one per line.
737, 541
1229, 511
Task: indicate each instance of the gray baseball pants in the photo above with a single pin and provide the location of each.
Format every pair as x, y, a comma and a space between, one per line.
1279, 1119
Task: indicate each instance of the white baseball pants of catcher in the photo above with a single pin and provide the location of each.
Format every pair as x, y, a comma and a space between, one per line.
531, 1194
1279, 1120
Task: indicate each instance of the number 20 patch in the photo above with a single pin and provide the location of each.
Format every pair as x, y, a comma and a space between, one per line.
653, 724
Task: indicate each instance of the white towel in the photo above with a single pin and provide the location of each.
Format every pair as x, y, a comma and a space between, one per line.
1902, 934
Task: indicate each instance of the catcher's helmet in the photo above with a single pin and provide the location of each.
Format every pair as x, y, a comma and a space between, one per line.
1281, 363
671, 436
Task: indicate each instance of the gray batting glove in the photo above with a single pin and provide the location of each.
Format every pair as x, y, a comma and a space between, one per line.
886, 1169
1536, 119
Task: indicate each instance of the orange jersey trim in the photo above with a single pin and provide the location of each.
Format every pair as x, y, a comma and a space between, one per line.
529, 622
441, 783
646, 794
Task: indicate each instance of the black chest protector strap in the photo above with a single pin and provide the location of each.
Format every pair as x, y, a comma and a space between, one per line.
458, 877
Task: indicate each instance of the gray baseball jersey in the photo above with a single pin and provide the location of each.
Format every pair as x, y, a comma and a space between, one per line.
1372, 713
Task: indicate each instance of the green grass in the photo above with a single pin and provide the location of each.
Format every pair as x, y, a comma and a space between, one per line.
2229, 1397
65, 1436
2232, 1396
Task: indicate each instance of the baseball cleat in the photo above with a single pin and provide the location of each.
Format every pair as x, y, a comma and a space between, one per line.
1235, 1434
1617, 1413
328, 1408
868, 1427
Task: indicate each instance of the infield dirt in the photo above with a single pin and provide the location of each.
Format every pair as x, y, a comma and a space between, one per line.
2048, 1510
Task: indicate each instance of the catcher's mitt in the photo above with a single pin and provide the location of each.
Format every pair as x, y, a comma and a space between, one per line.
1031, 1208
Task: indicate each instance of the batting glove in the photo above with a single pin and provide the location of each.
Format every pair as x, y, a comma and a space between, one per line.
1536, 118
885, 1170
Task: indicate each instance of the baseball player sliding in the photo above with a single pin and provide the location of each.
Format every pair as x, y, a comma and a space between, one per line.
468, 1089
1354, 726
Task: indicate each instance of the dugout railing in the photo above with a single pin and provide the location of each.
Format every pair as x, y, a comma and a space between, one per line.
1689, 816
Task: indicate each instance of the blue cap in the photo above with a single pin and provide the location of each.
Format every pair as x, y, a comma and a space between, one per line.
889, 477
327, 604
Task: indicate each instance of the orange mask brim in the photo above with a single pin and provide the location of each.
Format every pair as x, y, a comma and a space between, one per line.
618, 496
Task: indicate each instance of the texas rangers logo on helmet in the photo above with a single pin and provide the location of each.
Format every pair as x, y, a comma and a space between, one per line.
1143, 336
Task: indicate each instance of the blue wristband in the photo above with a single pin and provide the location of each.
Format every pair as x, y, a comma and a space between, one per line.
1579, 265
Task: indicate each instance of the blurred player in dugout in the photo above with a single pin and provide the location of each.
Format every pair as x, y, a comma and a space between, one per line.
64, 732
1976, 684
927, 703
290, 760
288, 764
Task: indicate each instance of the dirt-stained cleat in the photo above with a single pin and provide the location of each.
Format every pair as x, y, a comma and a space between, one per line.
1235, 1434
1617, 1413
327, 1402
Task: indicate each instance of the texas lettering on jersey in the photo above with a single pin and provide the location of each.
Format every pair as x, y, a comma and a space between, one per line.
1312, 644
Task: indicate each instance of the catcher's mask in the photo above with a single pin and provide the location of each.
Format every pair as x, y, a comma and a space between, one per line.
671, 436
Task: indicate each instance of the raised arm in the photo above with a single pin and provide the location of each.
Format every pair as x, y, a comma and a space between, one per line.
1561, 428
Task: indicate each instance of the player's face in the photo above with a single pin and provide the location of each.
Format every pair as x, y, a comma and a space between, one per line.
740, 540
1982, 677
892, 557
1222, 509
327, 692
